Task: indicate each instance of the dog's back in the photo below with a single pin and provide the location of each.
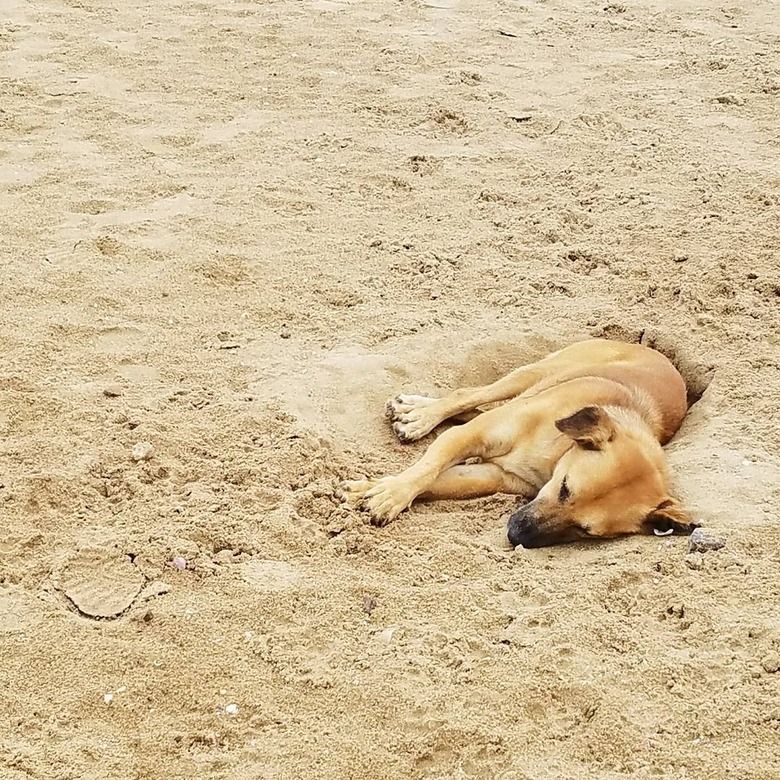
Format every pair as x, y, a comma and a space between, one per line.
646, 372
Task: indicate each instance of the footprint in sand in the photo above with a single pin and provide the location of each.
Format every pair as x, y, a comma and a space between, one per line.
101, 583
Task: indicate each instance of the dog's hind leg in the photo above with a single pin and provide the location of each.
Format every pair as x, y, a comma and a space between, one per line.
414, 416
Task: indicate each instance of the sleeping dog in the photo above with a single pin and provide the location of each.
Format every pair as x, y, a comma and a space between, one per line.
580, 431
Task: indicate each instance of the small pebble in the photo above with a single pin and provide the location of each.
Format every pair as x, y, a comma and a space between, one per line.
142, 451
113, 391
369, 604
386, 636
231, 709
179, 563
225, 557
771, 662
701, 541
108, 698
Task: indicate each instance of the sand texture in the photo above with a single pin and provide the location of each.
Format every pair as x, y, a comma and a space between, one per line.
229, 231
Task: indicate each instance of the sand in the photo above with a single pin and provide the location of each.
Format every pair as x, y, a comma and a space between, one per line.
228, 232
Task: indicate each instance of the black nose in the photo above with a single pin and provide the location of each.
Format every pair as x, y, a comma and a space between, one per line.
515, 535
520, 528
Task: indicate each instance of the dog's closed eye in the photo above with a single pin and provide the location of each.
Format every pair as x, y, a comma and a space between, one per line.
564, 493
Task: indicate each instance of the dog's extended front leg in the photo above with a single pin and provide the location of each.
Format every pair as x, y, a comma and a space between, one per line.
474, 481
386, 498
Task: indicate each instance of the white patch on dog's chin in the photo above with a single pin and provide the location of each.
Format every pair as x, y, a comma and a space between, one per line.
668, 532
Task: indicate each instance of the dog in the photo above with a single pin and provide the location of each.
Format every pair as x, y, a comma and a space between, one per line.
580, 436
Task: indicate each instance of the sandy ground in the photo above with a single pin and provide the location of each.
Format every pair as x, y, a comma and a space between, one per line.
231, 230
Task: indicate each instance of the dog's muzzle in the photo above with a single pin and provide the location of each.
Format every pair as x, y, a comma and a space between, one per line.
531, 528
522, 528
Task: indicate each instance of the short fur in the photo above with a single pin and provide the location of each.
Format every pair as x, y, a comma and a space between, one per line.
580, 433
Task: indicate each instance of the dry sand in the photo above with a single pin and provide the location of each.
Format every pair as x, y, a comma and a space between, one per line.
230, 230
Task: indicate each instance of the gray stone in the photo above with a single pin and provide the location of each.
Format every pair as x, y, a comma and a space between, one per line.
703, 541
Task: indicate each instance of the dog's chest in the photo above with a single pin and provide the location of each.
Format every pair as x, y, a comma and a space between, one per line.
535, 474
534, 456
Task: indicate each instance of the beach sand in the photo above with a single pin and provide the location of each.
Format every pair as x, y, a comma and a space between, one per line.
229, 232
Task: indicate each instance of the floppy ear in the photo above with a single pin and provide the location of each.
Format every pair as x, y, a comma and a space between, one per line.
669, 518
591, 427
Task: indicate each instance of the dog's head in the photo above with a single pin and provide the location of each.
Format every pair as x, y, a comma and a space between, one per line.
611, 481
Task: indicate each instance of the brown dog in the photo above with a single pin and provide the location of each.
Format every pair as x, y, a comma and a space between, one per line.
583, 433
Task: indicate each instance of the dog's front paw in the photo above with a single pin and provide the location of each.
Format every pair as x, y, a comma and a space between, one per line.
412, 416
387, 499
384, 499
351, 492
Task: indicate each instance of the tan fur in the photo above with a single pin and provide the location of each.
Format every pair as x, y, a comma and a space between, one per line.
594, 414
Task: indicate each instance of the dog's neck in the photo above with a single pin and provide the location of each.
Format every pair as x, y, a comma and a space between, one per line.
638, 407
